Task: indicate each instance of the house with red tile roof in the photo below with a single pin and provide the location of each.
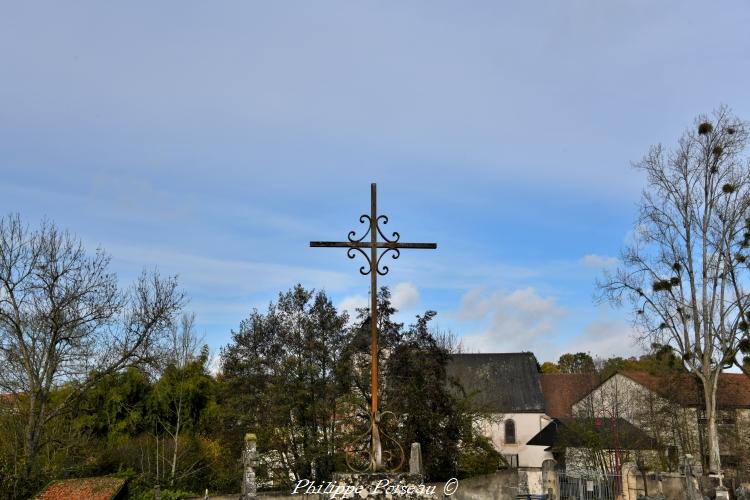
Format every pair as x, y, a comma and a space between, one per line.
669, 407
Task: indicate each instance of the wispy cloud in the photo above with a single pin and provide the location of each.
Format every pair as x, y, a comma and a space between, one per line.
352, 303
405, 296
598, 261
607, 337
520, 320
243, 276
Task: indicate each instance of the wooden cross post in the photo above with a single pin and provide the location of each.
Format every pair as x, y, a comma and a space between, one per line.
373, 268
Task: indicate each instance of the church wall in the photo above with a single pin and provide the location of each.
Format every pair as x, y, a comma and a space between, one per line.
527, 426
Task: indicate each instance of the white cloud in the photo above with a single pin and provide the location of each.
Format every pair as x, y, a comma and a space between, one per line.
520, 320
606, 337
405, 296
599, 261
523, 320
351, 303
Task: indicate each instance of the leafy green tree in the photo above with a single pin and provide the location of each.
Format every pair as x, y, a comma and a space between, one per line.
579, 362
182, 404
431, 414
115, 408
353, 368
549, 367
661, 360
279, 381
415, 387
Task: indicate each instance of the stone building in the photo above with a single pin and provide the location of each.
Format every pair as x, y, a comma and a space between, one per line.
670, 409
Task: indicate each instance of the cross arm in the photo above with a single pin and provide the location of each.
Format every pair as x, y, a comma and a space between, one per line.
379, 244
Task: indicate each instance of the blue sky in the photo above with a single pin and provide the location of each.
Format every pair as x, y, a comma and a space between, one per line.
214, 140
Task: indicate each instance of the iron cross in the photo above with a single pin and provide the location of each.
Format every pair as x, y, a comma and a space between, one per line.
373, 268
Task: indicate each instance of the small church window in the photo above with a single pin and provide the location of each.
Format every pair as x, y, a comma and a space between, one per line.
510, 432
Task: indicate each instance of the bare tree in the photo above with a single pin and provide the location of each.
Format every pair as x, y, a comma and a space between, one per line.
64, 321
448, 340
184, 344
685, 271
183, 347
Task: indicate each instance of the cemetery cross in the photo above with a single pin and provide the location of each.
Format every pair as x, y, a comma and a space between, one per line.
373, 268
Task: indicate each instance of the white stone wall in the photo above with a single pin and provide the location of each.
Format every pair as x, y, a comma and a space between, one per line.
618, 396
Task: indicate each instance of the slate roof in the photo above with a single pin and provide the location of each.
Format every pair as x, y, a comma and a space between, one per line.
89, 488
500, 382
575, 433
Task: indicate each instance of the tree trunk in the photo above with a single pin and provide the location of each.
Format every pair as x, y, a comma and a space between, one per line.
709, 392
176, 438
33, 434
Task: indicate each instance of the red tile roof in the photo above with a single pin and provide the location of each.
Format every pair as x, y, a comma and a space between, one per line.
685, 389
90, 488
8, 398
562, 390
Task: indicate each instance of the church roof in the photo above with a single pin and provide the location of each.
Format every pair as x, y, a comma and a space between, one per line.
500, 382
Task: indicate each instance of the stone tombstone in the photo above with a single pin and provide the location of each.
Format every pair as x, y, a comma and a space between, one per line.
415, 459
722, 493
523, 482
549, 478
250, 459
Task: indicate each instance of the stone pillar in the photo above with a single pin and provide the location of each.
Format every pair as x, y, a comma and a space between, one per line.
415, 459
250, 459
629, 481
549, 479
692, 492
157, 492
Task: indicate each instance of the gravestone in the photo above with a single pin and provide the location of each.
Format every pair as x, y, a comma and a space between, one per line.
415, 459
549, 479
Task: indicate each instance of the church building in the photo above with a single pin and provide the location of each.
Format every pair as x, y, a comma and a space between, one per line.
507, 387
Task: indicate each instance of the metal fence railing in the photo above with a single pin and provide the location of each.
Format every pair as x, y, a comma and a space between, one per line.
602, 487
